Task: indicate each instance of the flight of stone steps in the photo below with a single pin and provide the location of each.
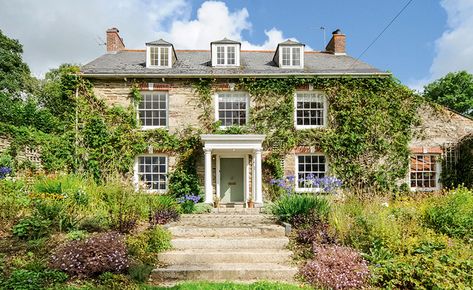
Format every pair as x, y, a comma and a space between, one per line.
228, 244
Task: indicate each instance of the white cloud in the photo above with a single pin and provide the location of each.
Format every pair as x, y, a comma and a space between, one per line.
55, 31
454, 49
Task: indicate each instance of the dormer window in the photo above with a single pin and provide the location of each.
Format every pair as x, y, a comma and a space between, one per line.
289, 54
225, 52
160, 54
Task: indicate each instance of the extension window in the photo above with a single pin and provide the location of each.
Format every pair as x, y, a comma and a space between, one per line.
424, 172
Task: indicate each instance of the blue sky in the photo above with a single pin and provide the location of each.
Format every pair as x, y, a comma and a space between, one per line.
431, 37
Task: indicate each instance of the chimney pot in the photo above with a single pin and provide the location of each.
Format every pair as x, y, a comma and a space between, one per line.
337, 44
114, 41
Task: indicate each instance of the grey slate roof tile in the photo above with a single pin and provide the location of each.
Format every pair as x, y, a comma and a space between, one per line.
196, 63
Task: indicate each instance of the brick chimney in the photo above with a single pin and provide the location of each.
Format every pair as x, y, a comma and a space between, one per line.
336, 45
114, 41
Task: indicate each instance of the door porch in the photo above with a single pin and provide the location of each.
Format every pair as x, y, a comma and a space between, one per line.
237, 168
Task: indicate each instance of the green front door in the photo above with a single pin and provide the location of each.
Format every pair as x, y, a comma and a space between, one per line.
231, 180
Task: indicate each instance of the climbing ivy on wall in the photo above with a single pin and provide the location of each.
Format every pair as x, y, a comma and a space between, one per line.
369, 126
366, 140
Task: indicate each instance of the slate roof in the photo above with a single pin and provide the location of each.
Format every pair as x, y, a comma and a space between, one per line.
225, 41
290, 42
196, 63
158, 42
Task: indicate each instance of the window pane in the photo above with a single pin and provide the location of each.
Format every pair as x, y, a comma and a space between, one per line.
310, 167
152, 172
296, 56
232, 108
310, 109
423, 172
231, 55
164, 57
153, 55
152, 111
286, 56
220, 55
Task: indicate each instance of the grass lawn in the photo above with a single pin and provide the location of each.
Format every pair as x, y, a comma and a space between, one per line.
229, 286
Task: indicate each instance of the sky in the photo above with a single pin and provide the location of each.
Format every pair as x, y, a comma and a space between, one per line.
429, 39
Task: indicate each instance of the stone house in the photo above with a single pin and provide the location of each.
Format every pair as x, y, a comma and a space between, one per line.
232, 164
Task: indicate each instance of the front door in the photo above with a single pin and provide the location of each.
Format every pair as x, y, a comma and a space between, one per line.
231, 180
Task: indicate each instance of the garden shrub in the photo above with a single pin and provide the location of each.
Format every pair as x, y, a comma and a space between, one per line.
290, 207
202, 208
140, 272
452, 215
187, 203
336, 267
430, 266
32, 227
28, 279
145, 246
316, 232
104, 252
14, 200
110, 280
124, 206
163, 216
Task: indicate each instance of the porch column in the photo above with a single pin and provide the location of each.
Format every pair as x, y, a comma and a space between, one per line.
258, 178
208, 176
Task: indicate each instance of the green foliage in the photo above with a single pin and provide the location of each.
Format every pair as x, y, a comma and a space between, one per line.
30, 228
14, 199
452, 215
145, 246
402, 252
110, 280
14, 73
201, 208
27, 279
187, 207
289, 207
454, 91
140, 272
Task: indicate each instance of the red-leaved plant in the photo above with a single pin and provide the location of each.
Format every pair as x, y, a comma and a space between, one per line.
104, 252
336, 267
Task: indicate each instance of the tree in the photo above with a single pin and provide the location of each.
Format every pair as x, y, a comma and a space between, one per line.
454, 91
15, 76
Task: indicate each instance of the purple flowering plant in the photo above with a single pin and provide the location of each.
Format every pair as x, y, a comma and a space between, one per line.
189, 197
327, 184
4, 171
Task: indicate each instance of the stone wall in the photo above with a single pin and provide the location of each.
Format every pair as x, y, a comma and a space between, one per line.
440, 126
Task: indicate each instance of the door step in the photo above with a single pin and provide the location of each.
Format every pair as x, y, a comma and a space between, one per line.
207, 256
230, 243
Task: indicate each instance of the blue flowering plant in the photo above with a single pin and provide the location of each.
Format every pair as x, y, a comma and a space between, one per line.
4, 171
326, 184
187, 202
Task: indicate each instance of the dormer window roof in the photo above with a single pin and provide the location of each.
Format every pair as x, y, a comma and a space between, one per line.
160, 54
225, 53
289, 54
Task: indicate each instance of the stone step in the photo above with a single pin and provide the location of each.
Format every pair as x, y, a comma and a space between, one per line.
226, 271
237, 210
230, 243
205, 256
228, 231
223, 219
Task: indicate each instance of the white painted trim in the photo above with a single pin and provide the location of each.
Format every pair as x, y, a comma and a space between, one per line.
144, 128
318, 92
247, 179
233, 142
438, 174
296, 172
136, 179
148, 56
291, 47
247, 96
225, 53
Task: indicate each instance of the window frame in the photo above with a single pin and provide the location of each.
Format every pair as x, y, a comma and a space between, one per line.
296, 172
158, 60
136, 173
291, 56
247, 109
226, 52
325, 110
438, 171
144, 127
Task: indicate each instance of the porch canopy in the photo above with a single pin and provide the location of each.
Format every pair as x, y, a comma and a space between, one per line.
229, 145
